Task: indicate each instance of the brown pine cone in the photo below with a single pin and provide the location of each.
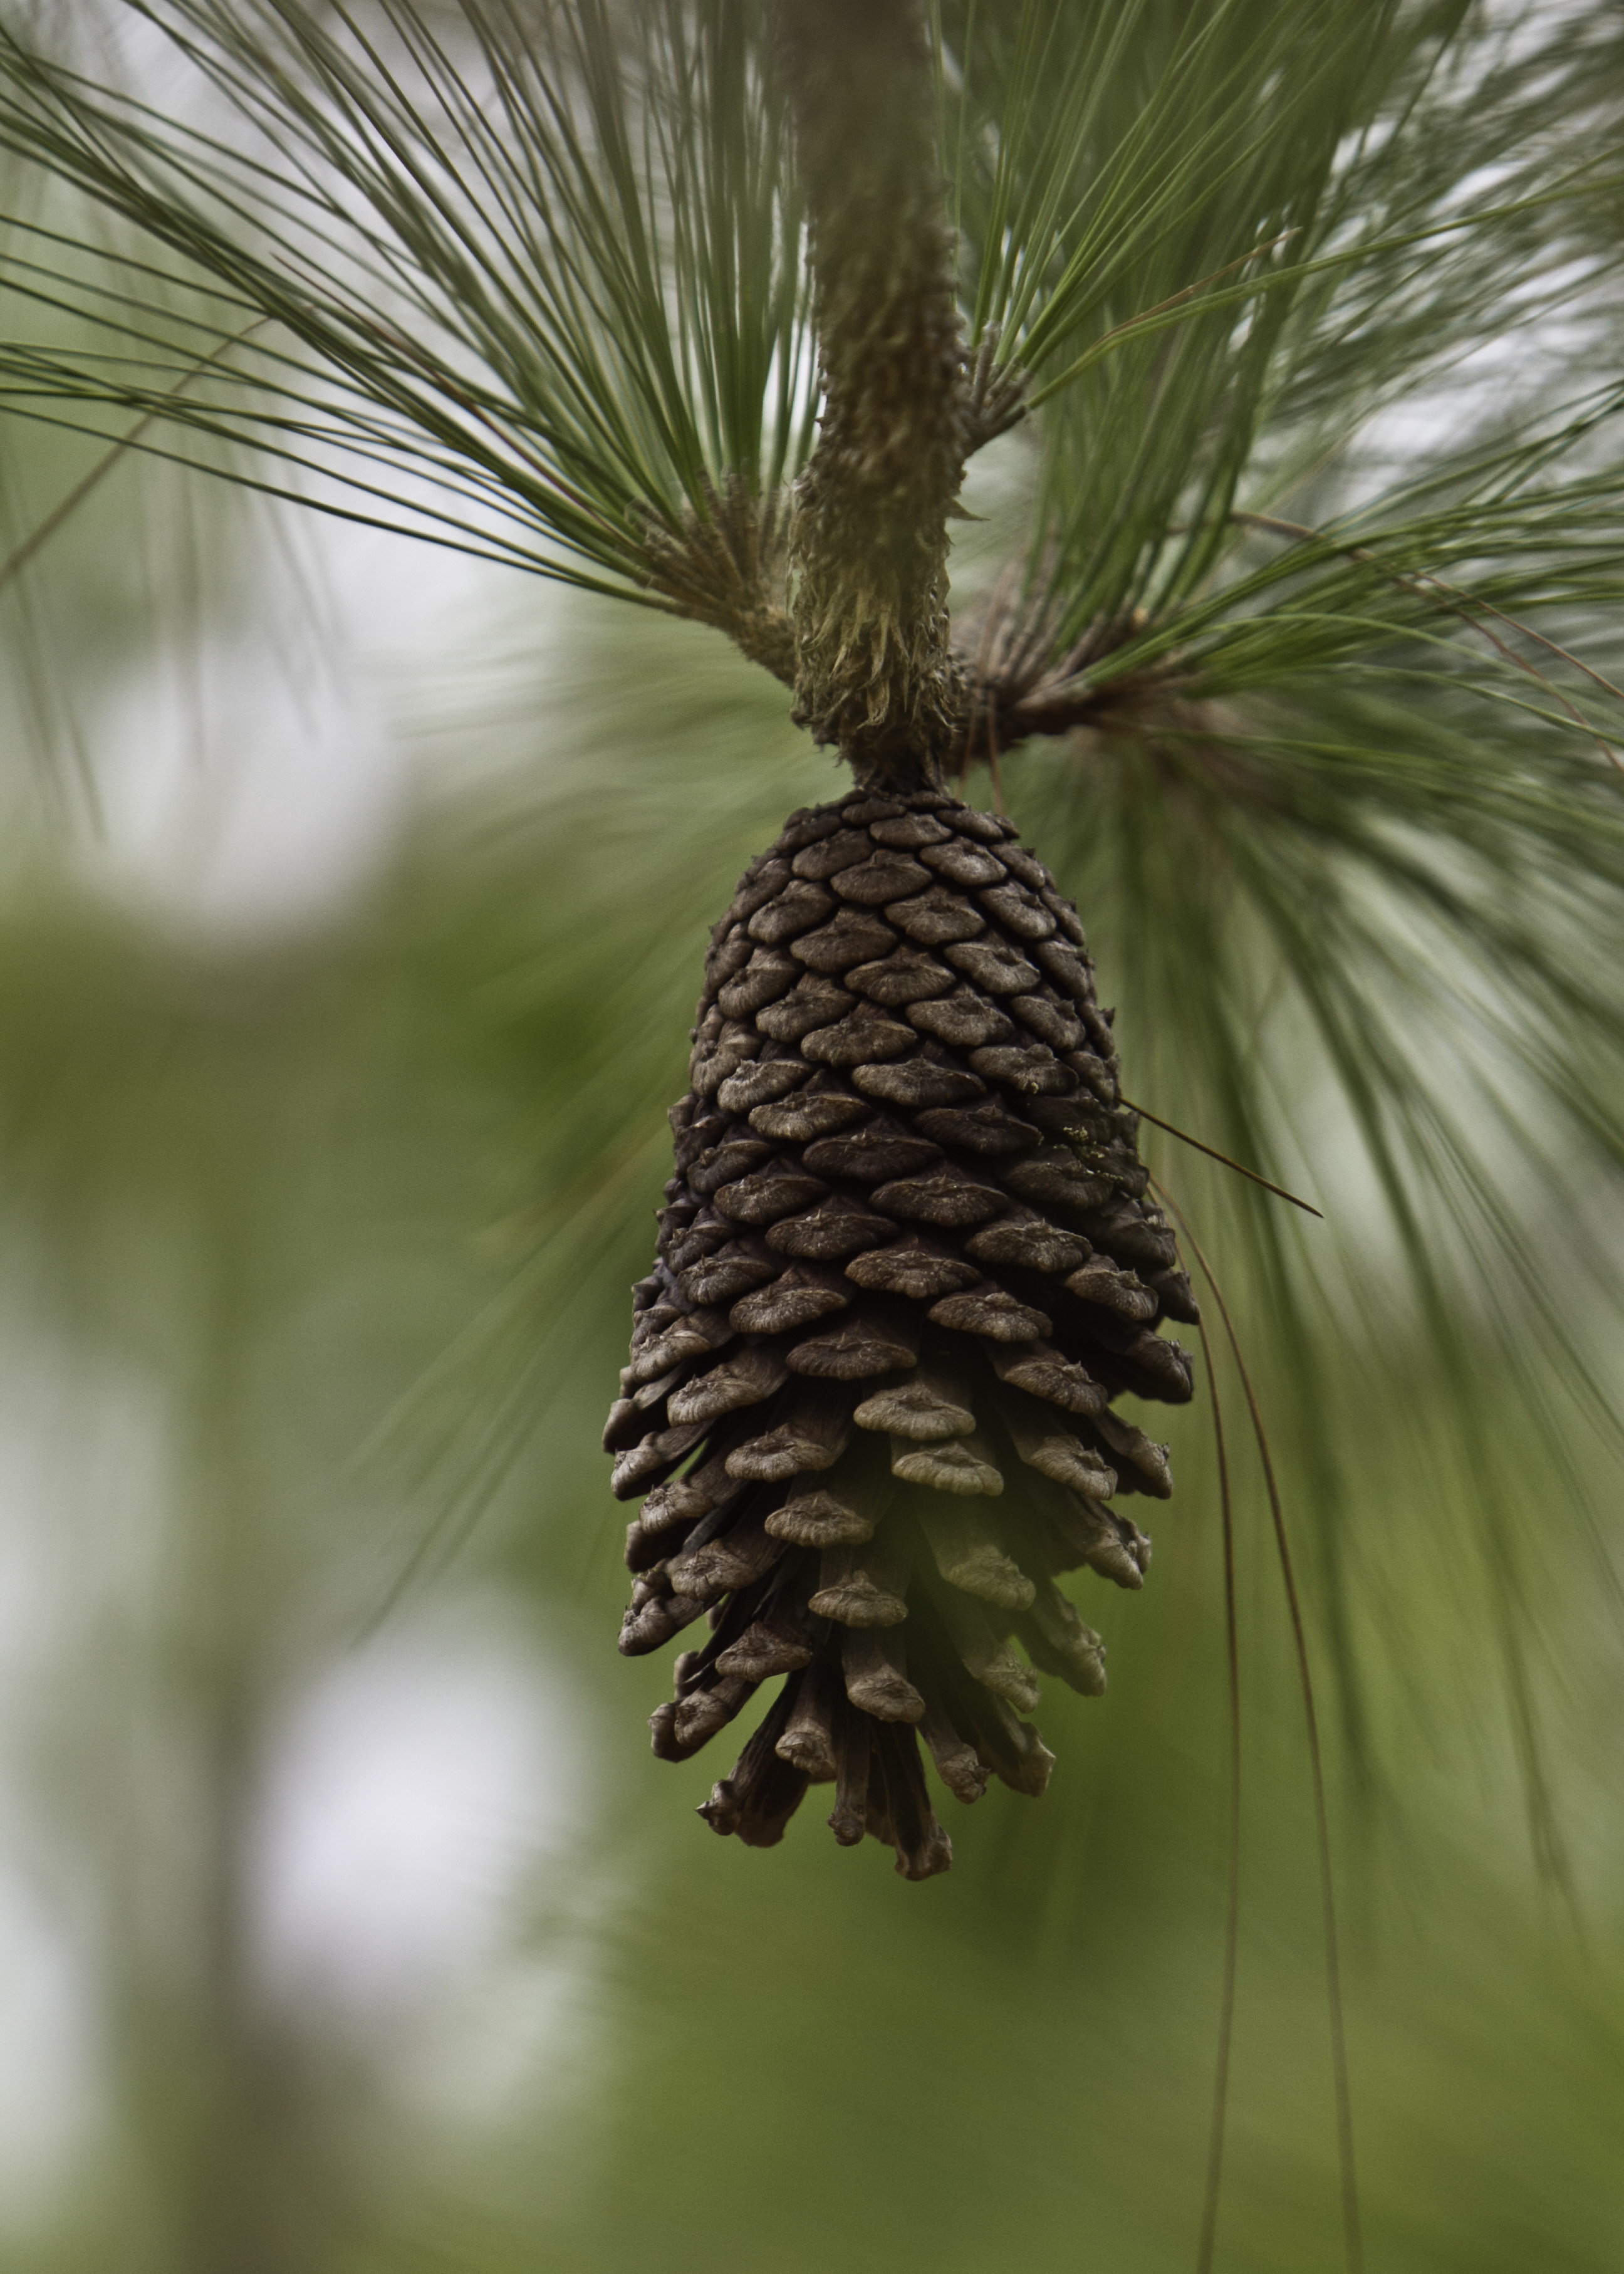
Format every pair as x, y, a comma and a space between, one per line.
906, 1263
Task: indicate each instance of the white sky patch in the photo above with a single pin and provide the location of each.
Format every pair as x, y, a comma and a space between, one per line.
250, 781
417, 1788
49, 2073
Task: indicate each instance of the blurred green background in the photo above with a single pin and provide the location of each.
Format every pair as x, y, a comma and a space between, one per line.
350, 920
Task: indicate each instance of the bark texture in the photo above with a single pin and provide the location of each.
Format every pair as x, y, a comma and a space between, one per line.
869, 542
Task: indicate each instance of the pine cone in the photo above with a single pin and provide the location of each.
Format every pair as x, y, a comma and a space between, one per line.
906, 1263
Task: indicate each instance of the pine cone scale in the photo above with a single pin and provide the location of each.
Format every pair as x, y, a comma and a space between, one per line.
905, 1263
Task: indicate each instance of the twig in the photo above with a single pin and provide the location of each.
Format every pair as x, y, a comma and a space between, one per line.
869, 541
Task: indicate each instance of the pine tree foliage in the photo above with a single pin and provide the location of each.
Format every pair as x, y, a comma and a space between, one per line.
1290, 329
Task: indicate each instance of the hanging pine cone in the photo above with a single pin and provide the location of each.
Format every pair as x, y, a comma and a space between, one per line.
906, 1263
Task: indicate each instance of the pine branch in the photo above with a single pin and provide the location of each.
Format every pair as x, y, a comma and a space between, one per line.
727, 569
869, 538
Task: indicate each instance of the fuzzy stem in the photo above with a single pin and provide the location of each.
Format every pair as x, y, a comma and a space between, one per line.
868, 543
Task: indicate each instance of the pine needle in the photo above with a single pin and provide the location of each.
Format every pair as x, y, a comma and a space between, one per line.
40, 535
1351, 2230
1212, 1154
1232, 1904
